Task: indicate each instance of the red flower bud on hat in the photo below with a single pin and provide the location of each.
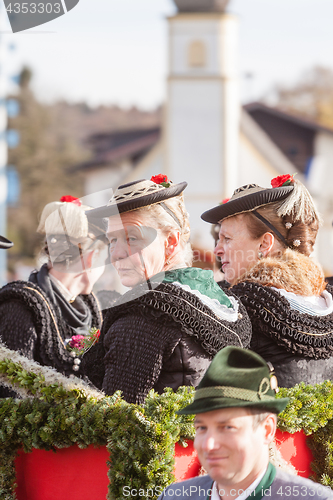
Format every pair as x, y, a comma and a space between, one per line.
161, 179
96, 334
225, 201
71, 199
282, 180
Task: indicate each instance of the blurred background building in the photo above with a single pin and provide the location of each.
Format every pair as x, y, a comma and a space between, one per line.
207, 138
201, 133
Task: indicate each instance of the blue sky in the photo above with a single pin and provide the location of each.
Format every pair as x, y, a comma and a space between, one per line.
115, 51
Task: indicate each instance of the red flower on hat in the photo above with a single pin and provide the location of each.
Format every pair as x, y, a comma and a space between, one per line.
225, 201
71, 199
282, 180
161, 179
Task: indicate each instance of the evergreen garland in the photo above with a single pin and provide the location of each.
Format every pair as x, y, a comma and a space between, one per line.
140, 440
140, 443
309, 409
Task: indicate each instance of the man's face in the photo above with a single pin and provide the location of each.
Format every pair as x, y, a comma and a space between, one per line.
231, 450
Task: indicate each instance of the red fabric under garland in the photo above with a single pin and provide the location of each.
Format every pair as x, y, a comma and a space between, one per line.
45, 475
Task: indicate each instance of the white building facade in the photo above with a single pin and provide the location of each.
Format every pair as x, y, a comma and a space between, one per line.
206, 138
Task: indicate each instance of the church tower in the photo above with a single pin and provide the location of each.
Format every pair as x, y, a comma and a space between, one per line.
202, 115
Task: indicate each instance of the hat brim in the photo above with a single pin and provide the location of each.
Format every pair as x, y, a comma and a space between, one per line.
210, 404
144, 201
4, 243
246, 203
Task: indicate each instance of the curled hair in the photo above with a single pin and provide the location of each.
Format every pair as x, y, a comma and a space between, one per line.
161, 219
69, 232
299, 235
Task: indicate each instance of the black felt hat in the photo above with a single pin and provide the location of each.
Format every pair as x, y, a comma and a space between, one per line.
236, 378
4, 243
246, 199
137, 194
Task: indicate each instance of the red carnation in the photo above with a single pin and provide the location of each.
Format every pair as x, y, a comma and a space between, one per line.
77, 342
282, 180
71, 199
161, 179
225, 201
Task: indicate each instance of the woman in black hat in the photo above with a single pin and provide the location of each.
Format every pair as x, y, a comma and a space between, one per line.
265, 241
38, 316
164, 331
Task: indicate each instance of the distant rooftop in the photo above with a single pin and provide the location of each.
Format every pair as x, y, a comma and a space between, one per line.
201, 5
293, 134
256, 107
111, 148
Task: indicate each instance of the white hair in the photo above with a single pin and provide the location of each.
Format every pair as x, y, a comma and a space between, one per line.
161, 219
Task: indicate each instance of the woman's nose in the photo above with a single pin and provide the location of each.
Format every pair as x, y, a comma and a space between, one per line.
219, 250
119, 250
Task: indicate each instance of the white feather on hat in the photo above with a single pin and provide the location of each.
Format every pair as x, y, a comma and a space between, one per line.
299, 204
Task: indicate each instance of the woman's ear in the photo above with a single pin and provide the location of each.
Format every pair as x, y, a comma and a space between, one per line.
172, 241
267, 243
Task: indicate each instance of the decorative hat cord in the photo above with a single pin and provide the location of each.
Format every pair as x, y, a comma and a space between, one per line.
170, 212
271, 227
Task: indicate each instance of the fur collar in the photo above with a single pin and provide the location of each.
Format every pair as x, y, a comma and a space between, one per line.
292, 271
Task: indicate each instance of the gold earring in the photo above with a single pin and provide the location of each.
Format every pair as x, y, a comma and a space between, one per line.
260, 255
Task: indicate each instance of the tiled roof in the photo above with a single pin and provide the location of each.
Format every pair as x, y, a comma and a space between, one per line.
291, 117
110, 148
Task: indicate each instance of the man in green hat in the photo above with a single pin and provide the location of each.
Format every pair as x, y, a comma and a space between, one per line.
235, 420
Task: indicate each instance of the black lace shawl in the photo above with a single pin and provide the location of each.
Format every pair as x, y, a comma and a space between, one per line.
297, 333
175, 312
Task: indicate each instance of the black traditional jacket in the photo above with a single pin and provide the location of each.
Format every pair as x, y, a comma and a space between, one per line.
164, 337
36, 327
299, 344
